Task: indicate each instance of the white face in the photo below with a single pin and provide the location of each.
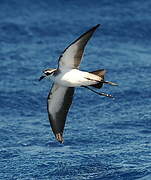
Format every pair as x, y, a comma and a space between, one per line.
48, 73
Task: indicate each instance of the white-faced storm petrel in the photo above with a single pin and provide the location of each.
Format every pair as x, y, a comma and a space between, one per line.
68, 76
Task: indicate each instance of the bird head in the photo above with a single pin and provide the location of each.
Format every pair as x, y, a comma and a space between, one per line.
47, 73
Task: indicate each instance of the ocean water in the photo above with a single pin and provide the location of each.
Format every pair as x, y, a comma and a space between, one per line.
105, 139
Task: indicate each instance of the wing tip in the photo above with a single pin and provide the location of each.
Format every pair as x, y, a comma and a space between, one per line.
59, 137
98, 25
95, 27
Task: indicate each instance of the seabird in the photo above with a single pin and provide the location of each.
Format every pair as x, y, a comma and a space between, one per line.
66, 77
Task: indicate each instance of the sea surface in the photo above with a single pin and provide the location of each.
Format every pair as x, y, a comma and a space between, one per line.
105, 139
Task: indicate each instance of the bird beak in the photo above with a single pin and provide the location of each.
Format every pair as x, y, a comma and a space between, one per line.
41, 77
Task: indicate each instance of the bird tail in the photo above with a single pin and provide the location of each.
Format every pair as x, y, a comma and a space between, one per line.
101, 73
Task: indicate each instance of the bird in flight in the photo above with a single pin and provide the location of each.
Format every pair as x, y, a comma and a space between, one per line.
68, 76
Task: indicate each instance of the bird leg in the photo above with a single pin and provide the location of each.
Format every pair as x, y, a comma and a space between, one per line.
99, 93
111, 83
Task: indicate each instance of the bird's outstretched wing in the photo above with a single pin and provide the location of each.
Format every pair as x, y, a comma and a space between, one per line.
59, 101
72, 55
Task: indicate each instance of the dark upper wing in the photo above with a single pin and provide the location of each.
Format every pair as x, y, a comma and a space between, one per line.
71, 57
59, 101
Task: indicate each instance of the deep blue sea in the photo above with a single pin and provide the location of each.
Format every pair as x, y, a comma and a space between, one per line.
105, 139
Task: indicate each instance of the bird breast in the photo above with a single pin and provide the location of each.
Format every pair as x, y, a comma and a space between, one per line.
75, 77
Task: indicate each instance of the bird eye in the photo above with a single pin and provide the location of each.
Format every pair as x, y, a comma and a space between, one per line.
47, 73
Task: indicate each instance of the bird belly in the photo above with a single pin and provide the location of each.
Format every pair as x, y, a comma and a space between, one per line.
75, 78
